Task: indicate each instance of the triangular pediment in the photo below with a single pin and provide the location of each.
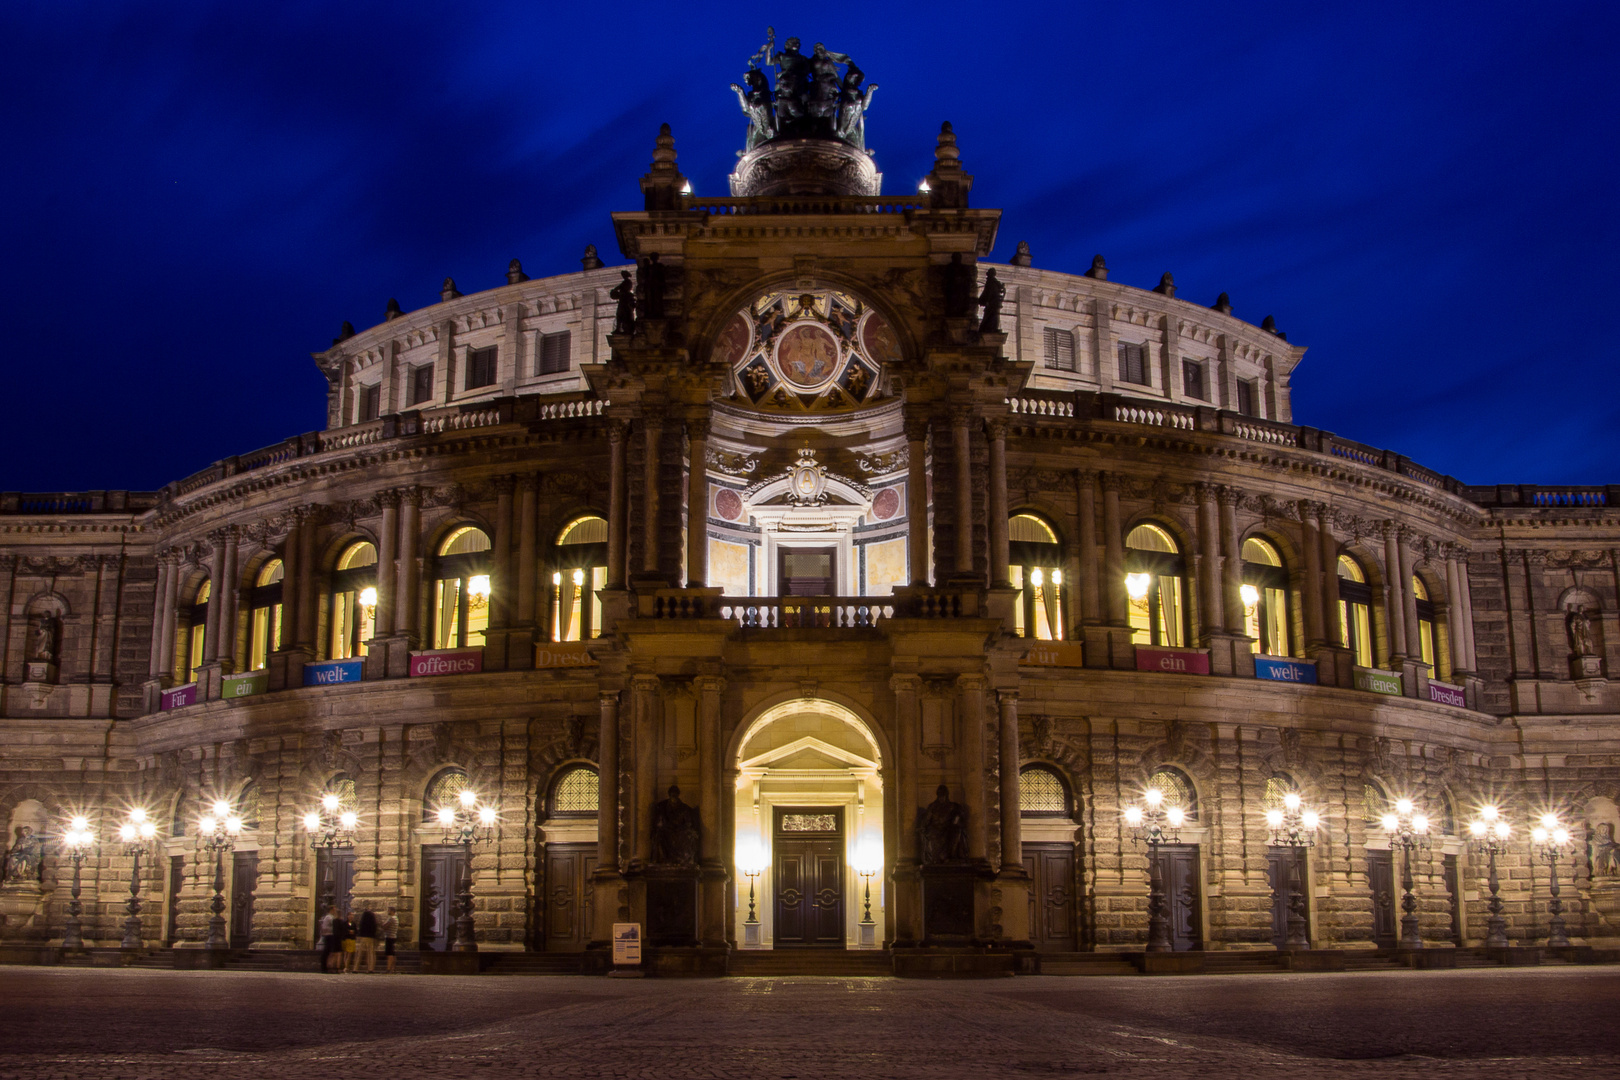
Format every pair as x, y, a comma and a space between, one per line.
808, 753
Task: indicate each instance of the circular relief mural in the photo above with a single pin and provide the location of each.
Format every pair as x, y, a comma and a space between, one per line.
728, 504
879, 339
732, 345
807, 355
886, 505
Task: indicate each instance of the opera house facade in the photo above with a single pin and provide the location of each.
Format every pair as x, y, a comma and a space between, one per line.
812, 584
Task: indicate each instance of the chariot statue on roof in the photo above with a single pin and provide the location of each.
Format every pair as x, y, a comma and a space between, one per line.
819, 95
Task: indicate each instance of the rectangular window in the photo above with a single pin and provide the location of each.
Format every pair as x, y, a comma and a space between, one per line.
1133, 363
421, 388
1059, 349
480, 368
554, 354
1192, 380
370, 403
1245, 397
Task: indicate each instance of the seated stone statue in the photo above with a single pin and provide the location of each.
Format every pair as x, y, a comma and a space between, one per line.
25, 862
676, 831
942, 830
1605, 852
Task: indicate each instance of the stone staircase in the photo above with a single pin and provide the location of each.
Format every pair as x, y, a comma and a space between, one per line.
1244, 962
769, 963
532, 963
1087, 963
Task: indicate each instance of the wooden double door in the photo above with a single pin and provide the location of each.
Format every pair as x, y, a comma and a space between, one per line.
569, 899
1052, 889
334, 875
1381, 880
442, 868
1178, 870
809, 877
1285, 871
244, 881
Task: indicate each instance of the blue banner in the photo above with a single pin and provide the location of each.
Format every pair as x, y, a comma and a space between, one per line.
1294, 671
334, 671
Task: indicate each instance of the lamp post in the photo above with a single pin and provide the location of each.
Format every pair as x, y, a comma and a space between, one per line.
1409, 828
78, 840
465, 823
330, 828
134, 834
218, 830
750, 862
1294, 826
1548, 840
1489, 833
868, 864
1155, 823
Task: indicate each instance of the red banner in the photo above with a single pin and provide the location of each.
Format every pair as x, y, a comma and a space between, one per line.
1176, 661
447, 662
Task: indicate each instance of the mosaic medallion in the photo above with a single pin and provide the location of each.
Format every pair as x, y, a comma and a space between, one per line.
807, 355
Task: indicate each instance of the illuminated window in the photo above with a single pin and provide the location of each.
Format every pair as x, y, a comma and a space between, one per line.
1265, 597
1426, 623
1176, 789
1041, 793
444, 790
1036, 571
264, 615
1355, 610
461, 590
343, 787
1154, 574
1374, 804
247, 806
579, 574
575, 793
1278, 788
354, 601
197, 631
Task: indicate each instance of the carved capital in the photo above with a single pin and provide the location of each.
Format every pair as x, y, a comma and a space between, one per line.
697, 427
996, 428
653, 417
708, 684
916, 429
1229, 495
1112, 482
503, 485
388, 499
902, 684
972, 682
961, 417
618, 430
646, 684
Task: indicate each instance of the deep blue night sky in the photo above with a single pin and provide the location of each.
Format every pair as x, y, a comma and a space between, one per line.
197, 195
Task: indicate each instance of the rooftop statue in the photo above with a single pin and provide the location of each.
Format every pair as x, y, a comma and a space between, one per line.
812, 99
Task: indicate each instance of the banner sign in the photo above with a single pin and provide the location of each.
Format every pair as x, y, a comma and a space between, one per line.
1054, 654
179, 697
245, 685
1378, 682
1179, 661
626, 943
1280, 669
334, 671
561, 654
447, 662
1446, 694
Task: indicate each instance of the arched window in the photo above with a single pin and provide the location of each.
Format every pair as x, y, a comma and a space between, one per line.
1448, 815
1374, 805
1176, 789
1265, 597
1278, 788
443, 790
1041, 793
197, 630
248, 806
1426, 621
264, 615
576, 582
354, 601
1036, 571
343, 787
461, 593
575, 793
1154, 573
1355, 610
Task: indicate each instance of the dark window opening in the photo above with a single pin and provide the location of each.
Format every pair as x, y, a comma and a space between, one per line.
421, 384
1192, 380
1133, 363
370, 403
554, 352
480, 368
1059, 349
1245, 397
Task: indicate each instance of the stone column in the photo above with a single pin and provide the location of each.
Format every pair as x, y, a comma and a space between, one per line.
971, 689
653, 430
229, 590
1472, 657
307, 604
996, 428
1395, 589
1011, 893
216, 600
1457, 636
158, 667
962, 436
1311, 587
500, 596
387, 573
1114, 554
528, 549
1414, 639
649, 716
1330, 576
1213, 614
1232, 567
907, 882
1086, 588
697, 503
607, 882
713, 875
618, 431
917, 498
410, 577
292, 555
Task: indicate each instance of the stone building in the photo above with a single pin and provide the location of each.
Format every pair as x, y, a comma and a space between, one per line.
909, 577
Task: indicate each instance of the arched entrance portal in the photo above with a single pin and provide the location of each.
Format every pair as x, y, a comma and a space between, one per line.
809, 830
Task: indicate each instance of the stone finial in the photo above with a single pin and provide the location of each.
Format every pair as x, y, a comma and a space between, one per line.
345, 332
945, 148
664, 148
514, 273
1099, 268
947, 185
1222, 304
448, 290
1021, 256
661, 187
1166, 286
591, 261
392, 311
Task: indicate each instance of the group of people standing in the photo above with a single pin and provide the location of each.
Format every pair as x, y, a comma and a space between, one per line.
346, 944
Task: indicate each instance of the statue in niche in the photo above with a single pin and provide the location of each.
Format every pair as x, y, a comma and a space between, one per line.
853, 101
990, 299
942, 830
25, 862
624, 319
1579, 624
650, 286
676, 831
1605, 853
958, 288
42, 637
757, 103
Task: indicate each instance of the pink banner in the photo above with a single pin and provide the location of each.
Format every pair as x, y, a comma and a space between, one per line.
1178, 661
447, 662
1446, 694
179, 697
